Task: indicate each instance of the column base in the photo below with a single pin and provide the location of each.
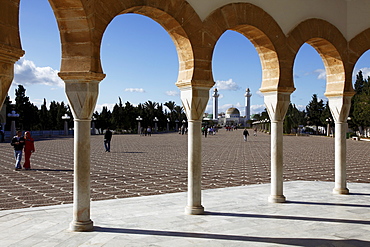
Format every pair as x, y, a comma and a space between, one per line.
276, 199
340, 191
194, 210
85, 226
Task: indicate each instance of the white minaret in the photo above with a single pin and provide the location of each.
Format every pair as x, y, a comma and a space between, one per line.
215, 96
247, 104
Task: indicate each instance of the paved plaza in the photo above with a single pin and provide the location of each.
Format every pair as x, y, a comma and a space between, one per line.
141, 166
150, 170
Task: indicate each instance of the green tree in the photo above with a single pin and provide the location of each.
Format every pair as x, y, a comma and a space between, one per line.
117, 116
314, 110
28, 117
360, 104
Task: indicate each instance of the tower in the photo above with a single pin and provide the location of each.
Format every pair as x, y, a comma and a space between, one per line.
248, 96
215, 96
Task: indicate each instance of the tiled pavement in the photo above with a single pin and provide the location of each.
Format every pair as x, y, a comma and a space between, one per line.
236, 216
139, 166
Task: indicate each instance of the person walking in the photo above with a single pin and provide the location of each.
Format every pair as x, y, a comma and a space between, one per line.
18, 143
107, 139
245, 134
255, 131
29, 148
149, 131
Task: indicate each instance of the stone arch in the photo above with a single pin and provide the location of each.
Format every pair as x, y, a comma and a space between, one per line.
358, 46
264, 33
79, 51
181, 25
331, 45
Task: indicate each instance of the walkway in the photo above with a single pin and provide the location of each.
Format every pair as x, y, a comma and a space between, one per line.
238, 215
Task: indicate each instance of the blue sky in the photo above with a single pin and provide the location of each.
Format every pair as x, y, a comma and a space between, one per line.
141, 64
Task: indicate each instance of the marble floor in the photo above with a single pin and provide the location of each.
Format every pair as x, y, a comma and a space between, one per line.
235, 216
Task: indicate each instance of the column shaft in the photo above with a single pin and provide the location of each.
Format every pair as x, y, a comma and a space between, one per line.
81, 190
340, 159
194, 205
277, 162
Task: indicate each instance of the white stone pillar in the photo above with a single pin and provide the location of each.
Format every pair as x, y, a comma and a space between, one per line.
340, 186
81, 190
194, 205
194, 100
277, 104
82, 90
339, 107
277, 162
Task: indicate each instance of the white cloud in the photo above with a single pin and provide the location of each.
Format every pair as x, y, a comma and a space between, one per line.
365, 73
227, 85
257, 108
321, 74
26, 73
136, 90
259, 94
173, 93
99, 107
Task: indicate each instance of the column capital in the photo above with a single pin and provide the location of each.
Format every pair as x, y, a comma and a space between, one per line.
82, 89
339, 106
277, 104
195, 83
77, 77
10, 54
194, 100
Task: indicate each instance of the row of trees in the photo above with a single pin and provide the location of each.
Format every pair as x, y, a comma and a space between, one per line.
123, 116
32, 118
317, 113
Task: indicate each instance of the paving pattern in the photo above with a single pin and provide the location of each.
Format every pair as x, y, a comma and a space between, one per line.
140, 166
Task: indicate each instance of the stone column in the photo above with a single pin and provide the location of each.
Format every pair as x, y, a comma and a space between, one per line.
277, 105
194, 100
82, 92
339, 107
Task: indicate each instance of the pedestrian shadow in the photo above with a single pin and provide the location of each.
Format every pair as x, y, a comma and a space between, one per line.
133, 152
52, 170
270, 240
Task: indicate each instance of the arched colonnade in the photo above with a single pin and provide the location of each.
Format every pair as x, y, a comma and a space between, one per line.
82, 24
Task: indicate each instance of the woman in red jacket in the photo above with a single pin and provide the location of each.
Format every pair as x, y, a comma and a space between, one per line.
29, 148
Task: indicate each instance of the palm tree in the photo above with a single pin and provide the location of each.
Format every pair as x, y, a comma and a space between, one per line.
179, 112
171, 106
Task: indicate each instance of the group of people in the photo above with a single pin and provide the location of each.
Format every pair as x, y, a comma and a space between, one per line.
209, 130
246, 133
22, 143
146, 131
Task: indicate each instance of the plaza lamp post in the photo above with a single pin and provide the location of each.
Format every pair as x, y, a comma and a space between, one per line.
348, 119
66, 118
177, 125
168, 125
139, 125
328, 120
155, 120
268, 125
183, 130
93, 131
13, 116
